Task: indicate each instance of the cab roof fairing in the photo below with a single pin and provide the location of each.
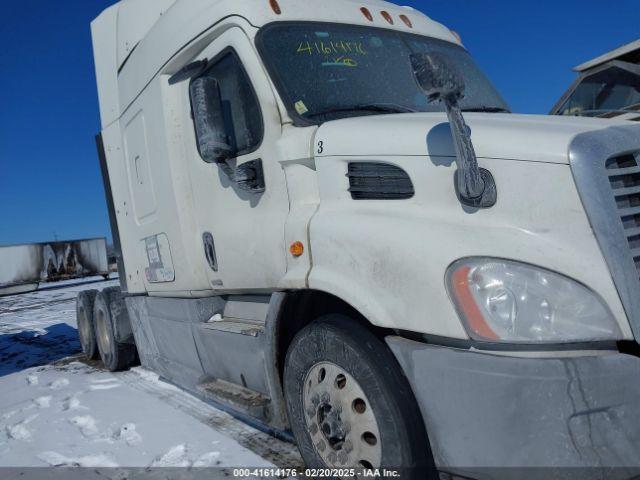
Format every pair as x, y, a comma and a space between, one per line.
156, 31
115, 34
629, 50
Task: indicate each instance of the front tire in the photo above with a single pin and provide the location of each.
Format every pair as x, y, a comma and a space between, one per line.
349, 403
116, 356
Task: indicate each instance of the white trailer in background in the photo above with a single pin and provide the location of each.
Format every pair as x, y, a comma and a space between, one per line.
322, 231
24, 267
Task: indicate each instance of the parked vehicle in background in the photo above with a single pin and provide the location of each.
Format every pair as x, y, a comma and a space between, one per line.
24, 267
607, 86
329, 223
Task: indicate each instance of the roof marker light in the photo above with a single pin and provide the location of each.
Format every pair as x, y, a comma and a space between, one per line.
406, 21
365, 11
275, 6
387, 16
457, 35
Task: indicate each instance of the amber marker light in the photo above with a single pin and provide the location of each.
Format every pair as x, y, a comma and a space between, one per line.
406, 21
365, 11
296, 249
275, 6
460, 284
387, 16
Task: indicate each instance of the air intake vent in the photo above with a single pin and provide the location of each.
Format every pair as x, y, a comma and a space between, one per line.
624, 177
378, 181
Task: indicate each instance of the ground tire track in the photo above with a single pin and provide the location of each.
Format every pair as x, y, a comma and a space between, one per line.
37, 306
276, 451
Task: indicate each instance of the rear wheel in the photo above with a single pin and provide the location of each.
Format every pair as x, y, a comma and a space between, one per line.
115, 355
349, 403
84, 319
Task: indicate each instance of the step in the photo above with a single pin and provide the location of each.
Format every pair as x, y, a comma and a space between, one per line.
237, 397
238, 326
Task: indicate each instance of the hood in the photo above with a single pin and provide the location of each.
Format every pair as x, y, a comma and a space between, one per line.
535, 138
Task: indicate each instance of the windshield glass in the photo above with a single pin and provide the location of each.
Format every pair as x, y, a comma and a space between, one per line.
612, 89
328, 71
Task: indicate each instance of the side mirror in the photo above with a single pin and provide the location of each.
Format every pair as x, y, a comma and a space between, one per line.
216, 138
439, 79
215, 142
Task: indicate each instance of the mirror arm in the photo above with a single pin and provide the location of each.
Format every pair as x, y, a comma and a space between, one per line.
470, 184
189, 71
228, 169
475, 186
440, 80
249, 176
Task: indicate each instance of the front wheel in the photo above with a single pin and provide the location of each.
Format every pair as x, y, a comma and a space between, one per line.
349, 403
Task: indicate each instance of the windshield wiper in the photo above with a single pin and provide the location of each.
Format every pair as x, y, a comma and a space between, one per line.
366, 107
486, 109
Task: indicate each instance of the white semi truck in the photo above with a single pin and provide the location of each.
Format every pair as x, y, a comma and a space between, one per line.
330, 224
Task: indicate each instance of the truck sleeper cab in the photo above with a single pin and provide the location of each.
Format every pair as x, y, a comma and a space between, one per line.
298, 243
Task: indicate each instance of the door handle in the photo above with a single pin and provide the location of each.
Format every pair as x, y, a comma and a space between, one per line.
210, 250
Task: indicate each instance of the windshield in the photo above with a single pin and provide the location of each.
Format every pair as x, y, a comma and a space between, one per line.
613, 89
328, 71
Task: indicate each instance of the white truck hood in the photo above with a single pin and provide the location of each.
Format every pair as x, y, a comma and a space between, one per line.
536, 138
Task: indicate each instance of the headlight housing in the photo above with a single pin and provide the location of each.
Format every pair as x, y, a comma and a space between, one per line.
512, 302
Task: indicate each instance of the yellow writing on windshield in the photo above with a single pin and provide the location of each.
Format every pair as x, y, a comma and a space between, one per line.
340, 62
331, 48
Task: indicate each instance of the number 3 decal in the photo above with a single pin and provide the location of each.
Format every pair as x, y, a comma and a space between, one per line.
320, 146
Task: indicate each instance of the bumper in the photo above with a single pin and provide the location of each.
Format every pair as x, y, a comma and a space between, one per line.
495, 413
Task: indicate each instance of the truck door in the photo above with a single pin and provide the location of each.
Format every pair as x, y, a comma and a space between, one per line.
240, 232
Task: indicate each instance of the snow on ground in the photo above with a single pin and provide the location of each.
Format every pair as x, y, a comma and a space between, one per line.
40, 327
72, 414
57, 410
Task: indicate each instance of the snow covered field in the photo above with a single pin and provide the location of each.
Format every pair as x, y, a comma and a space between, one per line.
57, 410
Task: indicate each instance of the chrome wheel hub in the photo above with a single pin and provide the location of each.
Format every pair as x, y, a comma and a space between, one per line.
340, 419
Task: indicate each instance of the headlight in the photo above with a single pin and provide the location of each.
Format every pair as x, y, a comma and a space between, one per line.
504, 301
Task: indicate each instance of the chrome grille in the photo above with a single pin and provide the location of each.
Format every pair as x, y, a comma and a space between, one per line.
606, 168
624, 178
